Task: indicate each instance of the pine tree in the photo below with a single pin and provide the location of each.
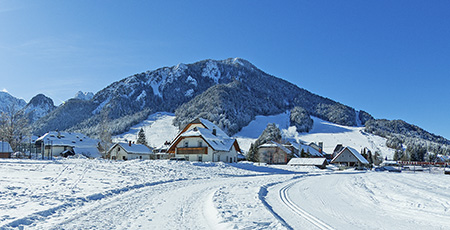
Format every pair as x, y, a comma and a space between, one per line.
141, 138
252, 154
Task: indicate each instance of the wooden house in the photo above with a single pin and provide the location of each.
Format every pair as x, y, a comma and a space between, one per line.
201, 140
5, 150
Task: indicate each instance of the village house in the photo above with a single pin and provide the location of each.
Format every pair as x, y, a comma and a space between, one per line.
275, 153
129, 151
56, 143
5, 150
201, 140
348, 156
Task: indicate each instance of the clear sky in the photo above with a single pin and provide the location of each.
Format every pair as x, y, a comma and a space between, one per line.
389, 58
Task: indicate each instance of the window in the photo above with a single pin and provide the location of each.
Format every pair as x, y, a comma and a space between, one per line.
186, 157
186, 144
140, 157
200, 158
200, 143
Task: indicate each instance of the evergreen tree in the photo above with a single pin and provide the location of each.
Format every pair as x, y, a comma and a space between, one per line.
252, 154
141, 138
271, 133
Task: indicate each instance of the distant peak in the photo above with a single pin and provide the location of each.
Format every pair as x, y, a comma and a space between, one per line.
84, 95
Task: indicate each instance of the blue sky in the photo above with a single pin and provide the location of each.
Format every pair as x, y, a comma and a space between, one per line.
390, 58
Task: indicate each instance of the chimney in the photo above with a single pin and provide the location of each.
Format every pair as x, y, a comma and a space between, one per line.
129, 143
214, 131
321, 146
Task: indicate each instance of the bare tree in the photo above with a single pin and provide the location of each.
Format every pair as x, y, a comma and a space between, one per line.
13, 125
104, 134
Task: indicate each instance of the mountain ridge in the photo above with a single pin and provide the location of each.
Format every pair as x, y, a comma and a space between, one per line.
229, 92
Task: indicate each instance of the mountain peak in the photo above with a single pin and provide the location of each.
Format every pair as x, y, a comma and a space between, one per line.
84, 95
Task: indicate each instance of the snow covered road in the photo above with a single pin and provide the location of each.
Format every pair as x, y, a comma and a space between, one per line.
354, 200
100, 194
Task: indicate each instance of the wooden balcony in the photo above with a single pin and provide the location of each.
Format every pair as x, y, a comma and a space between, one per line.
192, 150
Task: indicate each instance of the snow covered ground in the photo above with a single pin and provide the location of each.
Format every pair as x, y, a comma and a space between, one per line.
162, 194
158, 128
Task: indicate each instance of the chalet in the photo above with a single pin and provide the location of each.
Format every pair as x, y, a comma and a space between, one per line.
129, 151
56, 143
201, 140
274, 153
319, 162
349, 157
5, 150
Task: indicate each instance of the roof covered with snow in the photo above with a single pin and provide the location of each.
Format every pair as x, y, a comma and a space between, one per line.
56, 138
273, 144
353, 151
308, 149
219, 141
135, 148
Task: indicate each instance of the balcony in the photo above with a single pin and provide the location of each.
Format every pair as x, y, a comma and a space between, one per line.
192, 150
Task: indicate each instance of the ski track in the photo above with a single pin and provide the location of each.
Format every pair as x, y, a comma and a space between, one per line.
296, 209
363, 201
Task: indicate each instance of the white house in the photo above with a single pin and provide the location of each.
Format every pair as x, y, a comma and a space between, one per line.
129, 151
5, 150
349, 157
56, 143
201, 140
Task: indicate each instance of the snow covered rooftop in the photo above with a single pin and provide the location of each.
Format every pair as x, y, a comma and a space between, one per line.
273, 144
56, 138
135, 148
216, 138
308, 149
354, 153
217, 142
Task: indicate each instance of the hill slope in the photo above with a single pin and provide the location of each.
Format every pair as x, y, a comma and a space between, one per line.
233, 83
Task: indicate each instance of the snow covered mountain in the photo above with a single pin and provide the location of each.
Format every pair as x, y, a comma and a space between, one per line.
230, 92
39, 106
6, 100
84, 95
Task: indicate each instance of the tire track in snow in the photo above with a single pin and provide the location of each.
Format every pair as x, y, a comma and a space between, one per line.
283, 193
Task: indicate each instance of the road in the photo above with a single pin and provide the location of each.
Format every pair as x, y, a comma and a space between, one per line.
363, 201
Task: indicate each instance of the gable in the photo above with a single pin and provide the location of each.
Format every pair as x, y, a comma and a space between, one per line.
345, 156
349, 155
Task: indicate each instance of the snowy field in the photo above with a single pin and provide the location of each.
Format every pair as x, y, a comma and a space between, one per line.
100, 194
